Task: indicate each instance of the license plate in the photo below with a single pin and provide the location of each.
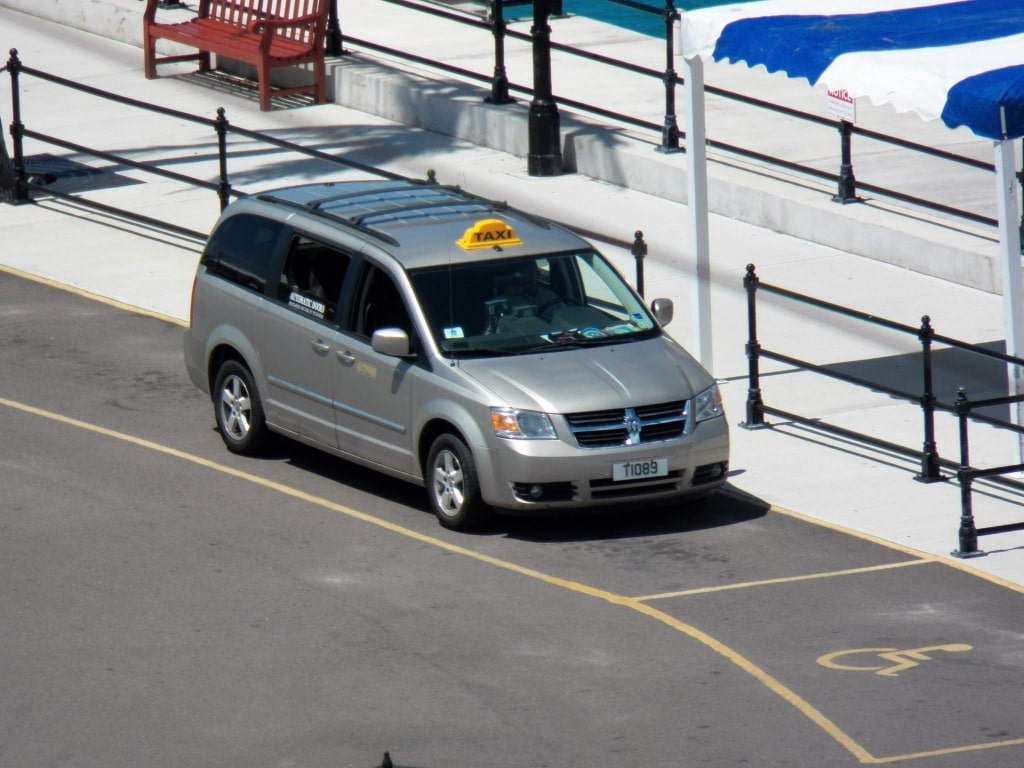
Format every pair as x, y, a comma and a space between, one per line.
639, 470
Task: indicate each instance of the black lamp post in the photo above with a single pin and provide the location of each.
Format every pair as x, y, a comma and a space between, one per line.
335, 45
545, 155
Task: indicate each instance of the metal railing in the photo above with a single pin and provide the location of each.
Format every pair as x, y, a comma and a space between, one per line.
219, 126
967, 535
930, 462
18, 187
491, 21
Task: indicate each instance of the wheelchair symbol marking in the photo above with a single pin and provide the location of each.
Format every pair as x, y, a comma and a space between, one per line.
898, 661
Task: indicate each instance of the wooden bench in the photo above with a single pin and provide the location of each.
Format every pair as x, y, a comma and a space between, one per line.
264, 33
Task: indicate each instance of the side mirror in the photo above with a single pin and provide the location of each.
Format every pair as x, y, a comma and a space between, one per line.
391, 341
664, 311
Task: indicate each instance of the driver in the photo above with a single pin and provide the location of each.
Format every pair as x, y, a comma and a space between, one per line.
524, 289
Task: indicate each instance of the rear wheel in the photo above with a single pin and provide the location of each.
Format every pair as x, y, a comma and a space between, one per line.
239, 409
453, 487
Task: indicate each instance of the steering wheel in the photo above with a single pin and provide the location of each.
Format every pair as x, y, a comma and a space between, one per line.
552, 303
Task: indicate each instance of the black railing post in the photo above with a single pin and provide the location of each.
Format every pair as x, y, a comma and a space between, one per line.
6, 172
545, 154
499, 83
755, 405
967, 537
929, 450
639, 251
7, 178
17, 132
847, 184
335, 44
670, 130
224, 187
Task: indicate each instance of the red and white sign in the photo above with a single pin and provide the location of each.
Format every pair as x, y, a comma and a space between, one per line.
841, 105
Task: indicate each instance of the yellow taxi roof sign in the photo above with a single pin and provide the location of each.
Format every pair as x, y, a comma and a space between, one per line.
488, 233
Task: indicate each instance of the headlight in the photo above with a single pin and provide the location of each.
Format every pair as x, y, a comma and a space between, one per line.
708, 404
521, 425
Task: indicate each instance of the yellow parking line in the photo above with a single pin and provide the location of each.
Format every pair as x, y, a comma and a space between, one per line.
950, 751
740, 661
784, 580
954, 564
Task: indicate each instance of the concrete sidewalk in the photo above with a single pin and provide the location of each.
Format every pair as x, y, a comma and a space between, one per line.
796, 468
799, 204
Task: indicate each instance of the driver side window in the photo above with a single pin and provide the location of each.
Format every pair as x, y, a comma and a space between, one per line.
379, 304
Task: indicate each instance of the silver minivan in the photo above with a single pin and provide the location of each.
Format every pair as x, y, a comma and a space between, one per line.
487, 354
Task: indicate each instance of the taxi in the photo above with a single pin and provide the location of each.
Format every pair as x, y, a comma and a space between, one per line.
491, 356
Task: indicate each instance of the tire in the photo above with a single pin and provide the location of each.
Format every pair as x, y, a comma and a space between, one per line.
452, 485
239, 410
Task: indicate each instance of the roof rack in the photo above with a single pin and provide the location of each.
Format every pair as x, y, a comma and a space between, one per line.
394, 202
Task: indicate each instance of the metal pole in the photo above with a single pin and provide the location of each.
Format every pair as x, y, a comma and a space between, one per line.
967, 537
639, 251
755, 406
1020, 181
545, 154
499, 83
17, 132
7, 179
929, 451
847, 184
697, 210
335, 44
1011, 274
670, 131
224, 187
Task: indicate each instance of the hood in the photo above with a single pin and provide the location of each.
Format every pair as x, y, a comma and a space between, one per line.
592, 378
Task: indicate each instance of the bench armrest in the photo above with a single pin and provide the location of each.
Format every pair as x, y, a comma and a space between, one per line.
309, 20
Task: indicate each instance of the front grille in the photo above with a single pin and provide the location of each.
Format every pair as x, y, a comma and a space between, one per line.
629, 426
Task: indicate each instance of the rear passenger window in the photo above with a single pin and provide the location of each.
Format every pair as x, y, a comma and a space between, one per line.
243, 249
311, 278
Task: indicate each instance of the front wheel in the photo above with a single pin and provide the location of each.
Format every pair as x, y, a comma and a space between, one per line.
239, 409
453, 487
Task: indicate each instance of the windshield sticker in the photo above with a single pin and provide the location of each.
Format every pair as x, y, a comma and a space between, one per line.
455, 332
592, 333
307, 305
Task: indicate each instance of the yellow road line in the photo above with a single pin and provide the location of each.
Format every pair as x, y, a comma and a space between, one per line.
795, 700
784, 580
954, 564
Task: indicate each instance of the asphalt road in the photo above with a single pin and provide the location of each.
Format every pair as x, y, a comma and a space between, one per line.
166, 603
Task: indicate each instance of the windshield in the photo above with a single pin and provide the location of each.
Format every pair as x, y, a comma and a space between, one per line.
528, 304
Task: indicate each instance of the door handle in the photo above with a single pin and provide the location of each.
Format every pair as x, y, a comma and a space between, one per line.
346, 357
320, 346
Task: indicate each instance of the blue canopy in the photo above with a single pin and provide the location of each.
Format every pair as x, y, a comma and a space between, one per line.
960, 61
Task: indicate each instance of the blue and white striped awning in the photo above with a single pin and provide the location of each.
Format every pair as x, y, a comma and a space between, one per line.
960, 61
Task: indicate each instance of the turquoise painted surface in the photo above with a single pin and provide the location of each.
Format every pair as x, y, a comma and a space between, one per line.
646, 22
